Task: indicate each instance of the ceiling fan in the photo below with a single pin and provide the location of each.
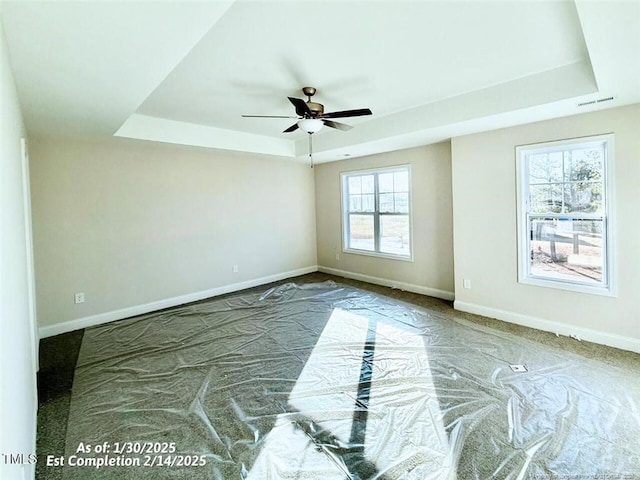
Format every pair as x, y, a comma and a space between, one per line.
311, 116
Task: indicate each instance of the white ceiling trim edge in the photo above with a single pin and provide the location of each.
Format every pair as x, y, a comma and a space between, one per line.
143, 127
569, 81
437, 134
424, 124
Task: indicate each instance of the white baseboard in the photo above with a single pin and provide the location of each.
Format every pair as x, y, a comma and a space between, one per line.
409, 287
595, 336
84, 322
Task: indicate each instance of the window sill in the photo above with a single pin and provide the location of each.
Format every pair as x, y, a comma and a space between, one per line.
606, 291
388, 256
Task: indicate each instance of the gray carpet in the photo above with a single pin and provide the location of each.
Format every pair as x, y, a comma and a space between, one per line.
329, 381
58, 357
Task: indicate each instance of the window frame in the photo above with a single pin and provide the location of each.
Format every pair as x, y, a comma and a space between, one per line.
344, 206
608, 285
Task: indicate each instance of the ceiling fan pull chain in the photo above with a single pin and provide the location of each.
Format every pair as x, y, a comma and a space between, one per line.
311, 150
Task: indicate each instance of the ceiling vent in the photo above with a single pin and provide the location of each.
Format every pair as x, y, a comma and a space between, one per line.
593, 102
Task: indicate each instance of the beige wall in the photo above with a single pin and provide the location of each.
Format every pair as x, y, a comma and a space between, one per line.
432, 268
130, 223
18, 396
484, 200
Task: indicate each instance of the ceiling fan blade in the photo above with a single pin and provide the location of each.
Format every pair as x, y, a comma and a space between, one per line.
291, 128
302, 108
268, 116
347, 113
339, 126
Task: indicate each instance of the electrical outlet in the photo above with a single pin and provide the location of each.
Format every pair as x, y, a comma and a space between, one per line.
79, 297
235, 269
338, 256
466, 283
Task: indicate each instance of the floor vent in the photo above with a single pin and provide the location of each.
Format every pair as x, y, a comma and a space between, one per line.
518, 368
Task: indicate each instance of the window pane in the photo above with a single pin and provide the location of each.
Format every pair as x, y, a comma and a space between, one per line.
583, 197
566, 249
545, 167
367, 184
355, 185
386, 202
401, 202
385, 182
583, 165
545, 198
401, 181
368, 203
355, 203
361, 235
394, 234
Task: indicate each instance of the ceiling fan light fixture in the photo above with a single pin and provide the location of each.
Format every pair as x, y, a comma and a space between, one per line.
310, 125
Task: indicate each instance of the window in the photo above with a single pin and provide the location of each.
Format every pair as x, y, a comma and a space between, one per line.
377, 212
565, 214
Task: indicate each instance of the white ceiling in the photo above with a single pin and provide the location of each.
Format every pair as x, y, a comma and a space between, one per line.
184, 72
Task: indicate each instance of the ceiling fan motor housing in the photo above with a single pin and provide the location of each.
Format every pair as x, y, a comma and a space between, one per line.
316, 108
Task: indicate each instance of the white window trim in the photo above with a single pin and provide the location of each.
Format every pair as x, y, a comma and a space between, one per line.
610, 267
344, 214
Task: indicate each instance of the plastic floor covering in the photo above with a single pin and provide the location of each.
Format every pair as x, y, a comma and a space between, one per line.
324, 381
